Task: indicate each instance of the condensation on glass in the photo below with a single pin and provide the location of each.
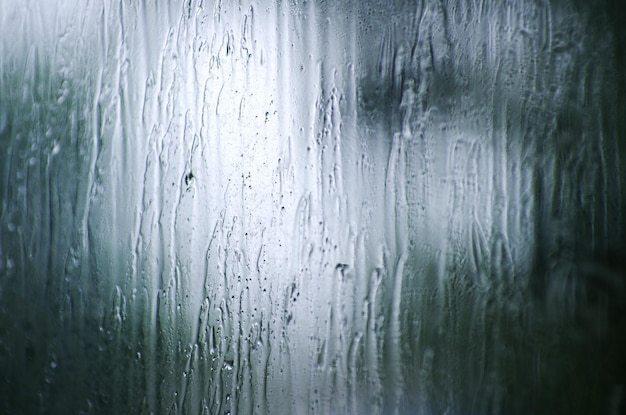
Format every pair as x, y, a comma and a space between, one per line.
290, 207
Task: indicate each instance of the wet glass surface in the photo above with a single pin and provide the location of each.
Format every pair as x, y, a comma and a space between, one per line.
312, 207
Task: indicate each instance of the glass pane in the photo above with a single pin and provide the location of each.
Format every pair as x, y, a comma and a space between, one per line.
289, 207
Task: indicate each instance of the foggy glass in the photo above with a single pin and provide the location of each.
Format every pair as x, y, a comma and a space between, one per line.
324, 207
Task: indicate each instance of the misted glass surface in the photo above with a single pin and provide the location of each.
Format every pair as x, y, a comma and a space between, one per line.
312, 207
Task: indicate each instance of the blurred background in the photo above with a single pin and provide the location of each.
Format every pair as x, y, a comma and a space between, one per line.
290, 207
